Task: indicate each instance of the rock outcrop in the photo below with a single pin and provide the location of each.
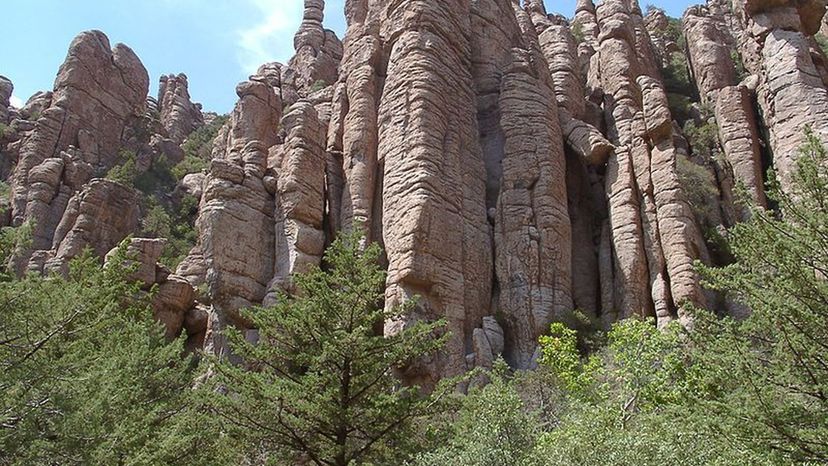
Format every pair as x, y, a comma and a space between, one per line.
177, 113
98, 100
172, 298
775, 46
318, 53
517, 168
6, 89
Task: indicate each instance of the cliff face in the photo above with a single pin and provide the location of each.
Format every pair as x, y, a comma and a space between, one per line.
515, 166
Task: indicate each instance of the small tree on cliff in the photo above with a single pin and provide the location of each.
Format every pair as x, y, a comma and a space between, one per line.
319, 386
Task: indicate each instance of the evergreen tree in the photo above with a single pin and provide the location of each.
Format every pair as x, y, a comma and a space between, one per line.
319, 385
768, 374
87, 376
493, 426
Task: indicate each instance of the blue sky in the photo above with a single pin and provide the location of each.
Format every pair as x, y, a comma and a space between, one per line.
217, 43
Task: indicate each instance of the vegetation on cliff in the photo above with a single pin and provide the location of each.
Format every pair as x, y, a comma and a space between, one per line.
88, 377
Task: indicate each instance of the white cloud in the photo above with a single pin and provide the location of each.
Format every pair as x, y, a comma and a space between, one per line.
271, 39
16, 102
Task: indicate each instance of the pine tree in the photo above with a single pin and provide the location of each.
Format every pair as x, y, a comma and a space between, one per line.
768, 374
86, 375
319, 385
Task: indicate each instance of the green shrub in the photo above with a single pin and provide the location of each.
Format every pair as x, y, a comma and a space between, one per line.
704, 138
822, 41
698, 185
577, 32
326, 370
738, 64
182, 234
676, 75
157, 222
318, 86
198, 149
87, 375
126, 172
159, 179
190, 164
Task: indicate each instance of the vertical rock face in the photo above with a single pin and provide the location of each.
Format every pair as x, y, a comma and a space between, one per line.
434, 211
532, 227
98, 217
709, 48
739, 135
791, 91
655, 238
237, 198
516, 168
506, 169
300, 239
657, 24
353, 135
99, 96
178, 114
6, 89
318, 53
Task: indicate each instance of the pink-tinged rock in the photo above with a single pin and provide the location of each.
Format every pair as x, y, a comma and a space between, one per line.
532, 227
99, 217
433, 196
178, 114
143, 253
300, 209
100, 92
173, 299
739, 135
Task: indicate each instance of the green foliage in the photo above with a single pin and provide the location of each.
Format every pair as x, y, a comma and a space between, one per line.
175, 224
182, 233
640, 414
323, 387
87, 376
741, 72
157, 222
697, 181
318, 86
676, 76
198, 148
493, 428
577, 32
127, 171
822, 41
11, 240
704, 138
5, 131
5, 197
698, 185
159, 179
675, 32
679, 105
770, 369
559, 353
162, 218
676, 73
190, 164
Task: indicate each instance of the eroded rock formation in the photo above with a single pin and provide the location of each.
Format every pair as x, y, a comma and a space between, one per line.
178, 114
518, 169
99, 96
